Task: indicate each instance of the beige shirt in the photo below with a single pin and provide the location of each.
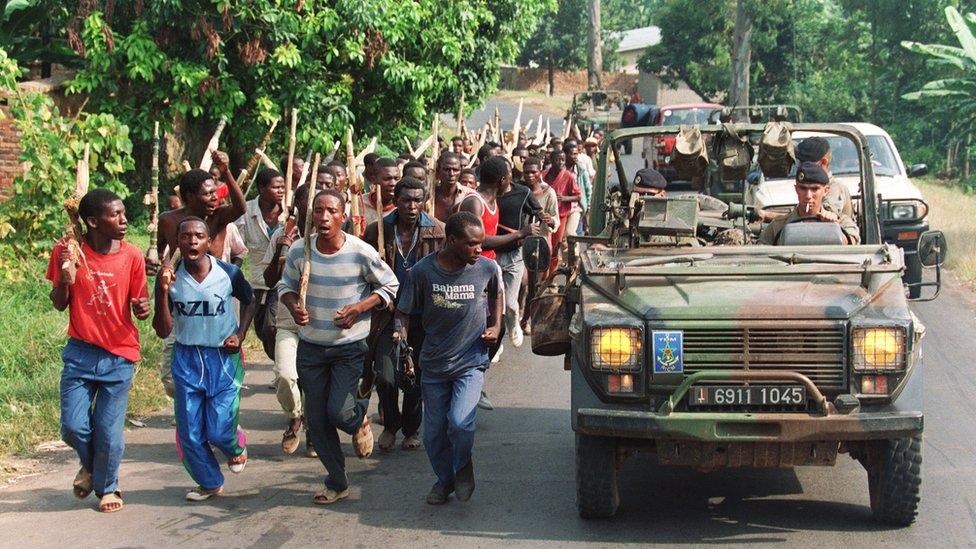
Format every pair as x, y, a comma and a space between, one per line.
254, 230
770, 234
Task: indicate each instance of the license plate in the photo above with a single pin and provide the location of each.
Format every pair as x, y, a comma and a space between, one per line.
753, 395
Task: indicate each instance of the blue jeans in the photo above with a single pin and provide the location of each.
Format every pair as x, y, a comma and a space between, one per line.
450, 404
329, 379
93, 375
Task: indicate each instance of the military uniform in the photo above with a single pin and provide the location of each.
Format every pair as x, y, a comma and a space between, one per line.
839, 198
770, 234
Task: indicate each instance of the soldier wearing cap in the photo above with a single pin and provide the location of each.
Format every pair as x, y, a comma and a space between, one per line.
817, 150
812, 187
650, 182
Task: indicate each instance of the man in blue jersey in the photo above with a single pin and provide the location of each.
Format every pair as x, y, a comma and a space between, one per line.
458, 295
193, 301
347, 280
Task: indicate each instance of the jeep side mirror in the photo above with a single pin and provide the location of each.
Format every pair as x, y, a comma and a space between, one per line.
536, 253
932, 251
932, 248
918, 170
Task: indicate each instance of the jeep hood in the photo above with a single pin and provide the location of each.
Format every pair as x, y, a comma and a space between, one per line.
822, 296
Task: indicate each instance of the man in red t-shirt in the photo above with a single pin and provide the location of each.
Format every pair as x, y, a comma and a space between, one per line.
103, 342
568, 193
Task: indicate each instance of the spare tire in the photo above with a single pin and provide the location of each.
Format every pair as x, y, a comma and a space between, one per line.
638, 114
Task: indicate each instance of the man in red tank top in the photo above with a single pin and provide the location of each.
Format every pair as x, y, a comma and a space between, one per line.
496, 176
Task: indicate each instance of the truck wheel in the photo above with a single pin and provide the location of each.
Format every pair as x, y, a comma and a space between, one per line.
894, 478
913, 273
596, 477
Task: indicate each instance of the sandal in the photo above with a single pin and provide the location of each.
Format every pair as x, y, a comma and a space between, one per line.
328, 496
237, 463
202, 494
82, 485
111, 502
412, 442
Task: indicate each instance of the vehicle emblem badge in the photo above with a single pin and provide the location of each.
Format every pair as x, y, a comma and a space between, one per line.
668, 347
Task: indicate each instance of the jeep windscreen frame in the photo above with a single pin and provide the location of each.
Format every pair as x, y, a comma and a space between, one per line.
868, 219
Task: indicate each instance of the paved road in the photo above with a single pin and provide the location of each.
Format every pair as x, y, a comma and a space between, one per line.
524, 467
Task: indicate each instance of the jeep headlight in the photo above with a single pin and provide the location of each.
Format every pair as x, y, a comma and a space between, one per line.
902, 212
879, 348
908, 210
616, 349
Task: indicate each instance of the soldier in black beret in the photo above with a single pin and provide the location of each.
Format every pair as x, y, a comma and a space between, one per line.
649, 181
812, 185
817, 149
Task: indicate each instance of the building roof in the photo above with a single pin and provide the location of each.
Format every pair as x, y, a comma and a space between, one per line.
638, 39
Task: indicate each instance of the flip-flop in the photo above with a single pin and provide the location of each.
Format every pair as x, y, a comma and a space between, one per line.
386, 441
111, 502
82, 485
327, 496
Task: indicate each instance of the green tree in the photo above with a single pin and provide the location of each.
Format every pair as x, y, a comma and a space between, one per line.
384, 67
51, 145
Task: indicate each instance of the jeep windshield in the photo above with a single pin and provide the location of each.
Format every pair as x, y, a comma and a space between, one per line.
843, 159
685, 117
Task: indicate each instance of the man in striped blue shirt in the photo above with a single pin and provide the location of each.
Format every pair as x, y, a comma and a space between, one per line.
347, 280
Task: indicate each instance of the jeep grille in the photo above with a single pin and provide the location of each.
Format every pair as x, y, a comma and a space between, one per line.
817, 351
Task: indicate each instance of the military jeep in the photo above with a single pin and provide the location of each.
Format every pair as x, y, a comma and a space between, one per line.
740, 355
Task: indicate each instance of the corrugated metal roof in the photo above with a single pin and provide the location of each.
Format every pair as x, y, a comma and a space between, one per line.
638, 39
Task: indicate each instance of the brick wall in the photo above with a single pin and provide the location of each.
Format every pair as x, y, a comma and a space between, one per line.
566, 82
9, 152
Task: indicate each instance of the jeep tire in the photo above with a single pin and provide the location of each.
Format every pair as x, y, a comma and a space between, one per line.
596, 476
894, 470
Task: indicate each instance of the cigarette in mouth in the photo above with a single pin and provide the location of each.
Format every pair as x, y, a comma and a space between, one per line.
807, 207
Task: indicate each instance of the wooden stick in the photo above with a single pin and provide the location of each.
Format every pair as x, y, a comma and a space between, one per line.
74, 232
498, 127
432, 164
152, 198
252, 164
331, 156
516, 128
380, 237
266, 161
409, 146
482, 137
289, 170
213, 145
354, 191
460, 116
416, 153
307, 265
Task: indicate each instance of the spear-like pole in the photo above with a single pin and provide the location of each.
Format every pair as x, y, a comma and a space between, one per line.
213, 145
307, 265
351, 177
432, 164
73, 231
289, 170
252, 165
152, 199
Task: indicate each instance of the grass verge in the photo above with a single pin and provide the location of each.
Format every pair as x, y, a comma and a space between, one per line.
32, 336
952, 211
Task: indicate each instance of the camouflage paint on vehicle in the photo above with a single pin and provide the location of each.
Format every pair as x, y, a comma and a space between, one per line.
746, 315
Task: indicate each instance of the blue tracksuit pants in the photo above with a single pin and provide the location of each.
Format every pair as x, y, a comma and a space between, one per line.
207, 401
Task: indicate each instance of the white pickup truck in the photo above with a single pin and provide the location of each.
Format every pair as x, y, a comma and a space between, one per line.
903, 212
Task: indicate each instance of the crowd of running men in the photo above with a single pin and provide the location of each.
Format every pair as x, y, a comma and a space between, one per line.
418, 305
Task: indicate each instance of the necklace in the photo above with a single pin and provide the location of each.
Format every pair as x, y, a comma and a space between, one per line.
413, 243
